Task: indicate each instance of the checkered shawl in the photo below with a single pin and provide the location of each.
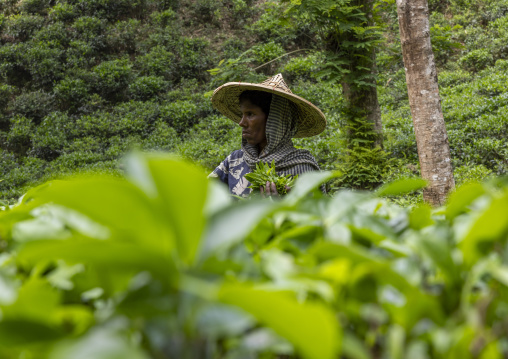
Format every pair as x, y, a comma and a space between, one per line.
281, 126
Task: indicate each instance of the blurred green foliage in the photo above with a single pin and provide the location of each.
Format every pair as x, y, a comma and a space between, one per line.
163, 263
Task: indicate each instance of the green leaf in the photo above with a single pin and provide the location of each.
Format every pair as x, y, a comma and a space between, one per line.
420, 217
459, 200
234, 223
312, 328
100, 343
22, 332
114, 255
116, 204
180, 190
306, 183
354, 348
402, 186
489, 227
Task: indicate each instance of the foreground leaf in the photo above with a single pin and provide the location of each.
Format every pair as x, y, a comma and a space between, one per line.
402, 186
312, 328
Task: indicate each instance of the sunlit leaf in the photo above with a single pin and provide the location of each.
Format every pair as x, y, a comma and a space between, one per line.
233, 224
489, 227
459, 200
116, 204
420, 217
306, 183
181, 190
312, 328
402, 186
113, 254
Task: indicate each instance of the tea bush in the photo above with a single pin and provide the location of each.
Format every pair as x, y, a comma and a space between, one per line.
111, 78
147, 87
22, 27
63, 11
71, 93
34, 6
18, 138
266, 52
157, 62
476, 60
50, 136
308, 276
33, 105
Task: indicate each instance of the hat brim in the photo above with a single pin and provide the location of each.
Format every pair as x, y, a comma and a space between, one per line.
311, 121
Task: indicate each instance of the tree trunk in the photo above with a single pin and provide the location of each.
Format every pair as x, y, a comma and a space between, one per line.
424, 100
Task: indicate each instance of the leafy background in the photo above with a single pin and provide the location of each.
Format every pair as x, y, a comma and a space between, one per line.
82, 82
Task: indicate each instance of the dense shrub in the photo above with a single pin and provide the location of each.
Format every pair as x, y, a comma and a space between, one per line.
34, 6
476, 60
91, 31
303, 67
162, 138
18, 138
44, 62
470, 173
55, 35
50, 136
111, 79
269, 26
80, 54
111, 9
70, 68
211, 141
33, 105
193, 60
63, 11
21, 27
122, 36
162, 18
147, 87
181, 115
134, 117
6, 93
157, 62
266, 52
71, 93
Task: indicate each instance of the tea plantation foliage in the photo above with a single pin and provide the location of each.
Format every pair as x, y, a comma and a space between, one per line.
83, 81
165, 264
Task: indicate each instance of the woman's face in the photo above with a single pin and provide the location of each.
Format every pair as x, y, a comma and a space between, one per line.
253, 124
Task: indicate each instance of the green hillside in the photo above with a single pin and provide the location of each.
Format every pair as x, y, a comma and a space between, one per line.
82, 82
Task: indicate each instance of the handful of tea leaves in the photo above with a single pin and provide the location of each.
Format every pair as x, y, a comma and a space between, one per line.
265, 173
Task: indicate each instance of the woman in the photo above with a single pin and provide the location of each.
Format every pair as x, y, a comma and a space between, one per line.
270, 115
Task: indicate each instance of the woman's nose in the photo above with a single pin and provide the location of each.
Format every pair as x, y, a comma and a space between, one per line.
243, 122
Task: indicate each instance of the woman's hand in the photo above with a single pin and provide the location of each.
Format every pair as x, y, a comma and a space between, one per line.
269, 189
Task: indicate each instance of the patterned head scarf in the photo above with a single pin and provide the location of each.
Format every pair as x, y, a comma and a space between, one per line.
281, 126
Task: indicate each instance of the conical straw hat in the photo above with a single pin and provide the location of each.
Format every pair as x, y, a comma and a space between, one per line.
311, 121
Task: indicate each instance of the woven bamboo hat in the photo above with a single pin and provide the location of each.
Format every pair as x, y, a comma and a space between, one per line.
311, 121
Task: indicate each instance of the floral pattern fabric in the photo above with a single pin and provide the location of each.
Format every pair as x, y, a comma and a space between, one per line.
232, 172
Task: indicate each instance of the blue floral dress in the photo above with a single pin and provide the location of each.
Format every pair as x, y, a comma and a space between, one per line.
232, 172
